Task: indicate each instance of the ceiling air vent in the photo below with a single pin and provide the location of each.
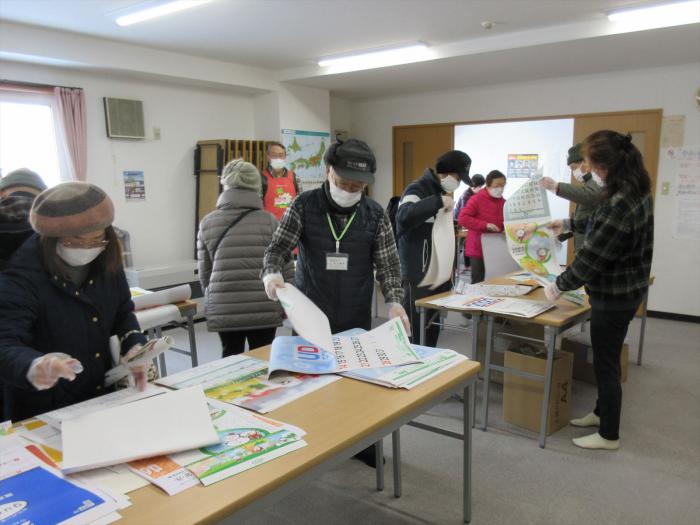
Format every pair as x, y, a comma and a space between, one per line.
124, 118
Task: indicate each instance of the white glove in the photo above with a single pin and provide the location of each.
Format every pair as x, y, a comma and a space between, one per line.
45, 371
448, 203
272, 281
492, 228
549, 184
552, 291
138, 370
396, 310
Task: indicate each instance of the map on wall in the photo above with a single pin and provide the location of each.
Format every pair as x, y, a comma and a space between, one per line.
305, 150
522, 165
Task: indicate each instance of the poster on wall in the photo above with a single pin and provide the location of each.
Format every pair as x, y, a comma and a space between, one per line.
305, 150
134, 186
522, 165
686, 171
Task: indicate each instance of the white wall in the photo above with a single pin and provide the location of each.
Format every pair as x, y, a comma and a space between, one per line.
304, 108
677, 288
163, 227
549, 139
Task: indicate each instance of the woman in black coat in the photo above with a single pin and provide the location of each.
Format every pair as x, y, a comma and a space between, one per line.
62, 295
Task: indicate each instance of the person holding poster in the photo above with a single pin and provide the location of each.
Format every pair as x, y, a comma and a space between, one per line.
614, 265
420, 203
483, 214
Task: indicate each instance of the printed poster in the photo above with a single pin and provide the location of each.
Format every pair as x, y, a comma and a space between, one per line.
134, 186
686, 171
305, 150
522, 165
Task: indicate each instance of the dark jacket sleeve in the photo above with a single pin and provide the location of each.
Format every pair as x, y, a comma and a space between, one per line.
19, 309
126, 327
414, 210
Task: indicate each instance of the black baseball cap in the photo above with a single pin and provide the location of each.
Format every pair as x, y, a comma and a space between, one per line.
455, 161
352, 159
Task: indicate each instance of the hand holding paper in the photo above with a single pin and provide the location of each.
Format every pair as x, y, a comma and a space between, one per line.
272, 282
137, 361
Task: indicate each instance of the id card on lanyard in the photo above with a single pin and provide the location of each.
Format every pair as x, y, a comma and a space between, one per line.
338, 261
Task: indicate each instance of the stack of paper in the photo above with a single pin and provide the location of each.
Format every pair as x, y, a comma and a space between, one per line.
499, 305
497, 290
147, 299
435, 361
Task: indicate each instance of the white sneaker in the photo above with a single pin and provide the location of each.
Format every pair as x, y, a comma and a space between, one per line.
589, 420
596, 441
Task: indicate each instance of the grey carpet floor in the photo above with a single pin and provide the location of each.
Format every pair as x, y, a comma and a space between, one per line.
653, 479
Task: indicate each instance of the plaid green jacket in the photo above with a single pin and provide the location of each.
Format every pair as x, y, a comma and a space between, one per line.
615, 260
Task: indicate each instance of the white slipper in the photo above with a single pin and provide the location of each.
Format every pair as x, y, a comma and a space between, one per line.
589, 420
596, 441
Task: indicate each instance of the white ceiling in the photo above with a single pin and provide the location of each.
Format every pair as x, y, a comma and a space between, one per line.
532, 38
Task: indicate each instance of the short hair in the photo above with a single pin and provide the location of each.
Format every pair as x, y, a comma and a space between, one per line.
269, 145
493, 175
477, 180
109, 261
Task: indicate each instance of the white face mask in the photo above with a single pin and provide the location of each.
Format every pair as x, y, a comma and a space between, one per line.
496, 193
277, 164
578, 174
78, 256
600, 182
449, 184
344, 199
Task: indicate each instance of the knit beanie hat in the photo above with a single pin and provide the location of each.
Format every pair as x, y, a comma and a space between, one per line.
241, 174
71, 208
574, 155
22, 177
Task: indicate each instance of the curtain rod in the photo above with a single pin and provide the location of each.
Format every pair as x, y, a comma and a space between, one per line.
33, 84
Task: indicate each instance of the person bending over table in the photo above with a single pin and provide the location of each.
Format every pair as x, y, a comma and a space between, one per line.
614, 265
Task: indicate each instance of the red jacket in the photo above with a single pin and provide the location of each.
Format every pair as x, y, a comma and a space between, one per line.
480, 210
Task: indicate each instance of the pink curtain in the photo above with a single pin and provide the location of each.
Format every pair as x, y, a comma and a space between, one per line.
71, 109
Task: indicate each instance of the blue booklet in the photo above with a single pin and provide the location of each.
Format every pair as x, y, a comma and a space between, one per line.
39, 497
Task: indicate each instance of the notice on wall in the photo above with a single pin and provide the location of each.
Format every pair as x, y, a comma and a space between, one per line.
673, 131
305, 150
134, 186
522, 165
686, 172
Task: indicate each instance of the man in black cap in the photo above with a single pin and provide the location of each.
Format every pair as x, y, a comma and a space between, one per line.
17, 192
343, 236
587, 195
420, 203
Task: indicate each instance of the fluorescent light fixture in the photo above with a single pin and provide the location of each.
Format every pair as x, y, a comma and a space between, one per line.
659, 15
379, 58
160, 10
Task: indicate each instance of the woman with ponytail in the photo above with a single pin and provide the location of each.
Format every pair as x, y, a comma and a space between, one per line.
614, 265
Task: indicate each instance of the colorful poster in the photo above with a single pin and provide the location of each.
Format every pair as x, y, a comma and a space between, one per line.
305, 150
522, 165
134, 186
163, 472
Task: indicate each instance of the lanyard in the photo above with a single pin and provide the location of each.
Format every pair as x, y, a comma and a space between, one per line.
337, 237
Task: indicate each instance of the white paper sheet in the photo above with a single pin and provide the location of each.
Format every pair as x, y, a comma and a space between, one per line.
146, 355
308, 320
120, 397
442, 253
117, 478
157, 316
150, 427
501, 305
147, 299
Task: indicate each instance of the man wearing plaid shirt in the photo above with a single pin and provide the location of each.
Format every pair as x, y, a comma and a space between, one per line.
342, 236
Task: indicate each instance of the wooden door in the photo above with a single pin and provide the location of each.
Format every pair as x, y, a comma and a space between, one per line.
417, 148
645, 128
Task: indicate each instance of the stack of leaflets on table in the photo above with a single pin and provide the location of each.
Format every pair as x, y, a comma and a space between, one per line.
435, 361
498, 290
499, 305
241, 380
247, 440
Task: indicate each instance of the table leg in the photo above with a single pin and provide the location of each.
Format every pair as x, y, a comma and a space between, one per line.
379, 462
193, 339
396, 450
476, 320
421, 332
161, 357
467, 452
642, 330
550, 340
487, 373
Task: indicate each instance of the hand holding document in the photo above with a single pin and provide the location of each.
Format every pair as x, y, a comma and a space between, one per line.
138, 358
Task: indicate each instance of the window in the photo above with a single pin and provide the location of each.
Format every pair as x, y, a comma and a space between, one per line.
28, 136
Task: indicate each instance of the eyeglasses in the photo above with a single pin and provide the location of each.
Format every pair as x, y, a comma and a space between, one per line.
85, 244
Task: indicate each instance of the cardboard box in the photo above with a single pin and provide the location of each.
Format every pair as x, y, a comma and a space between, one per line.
522, 397
501, 343
580, 347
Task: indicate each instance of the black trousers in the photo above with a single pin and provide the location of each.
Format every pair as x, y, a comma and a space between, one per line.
478, 269
412, 292
608, 331
234, 342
